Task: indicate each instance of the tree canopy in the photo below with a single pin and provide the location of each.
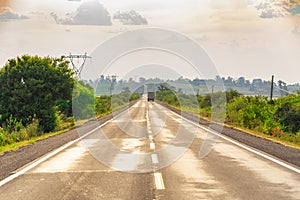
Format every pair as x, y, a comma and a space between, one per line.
30, 88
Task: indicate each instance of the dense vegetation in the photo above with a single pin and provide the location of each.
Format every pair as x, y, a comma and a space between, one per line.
109, 103
40, 95
279, 118
34, 87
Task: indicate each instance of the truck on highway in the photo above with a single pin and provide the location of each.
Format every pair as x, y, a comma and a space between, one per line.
151, 96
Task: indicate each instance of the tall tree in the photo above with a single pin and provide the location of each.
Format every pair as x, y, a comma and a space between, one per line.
31, 86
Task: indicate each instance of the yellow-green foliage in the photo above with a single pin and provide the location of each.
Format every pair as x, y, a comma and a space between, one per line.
16, 132
280, 118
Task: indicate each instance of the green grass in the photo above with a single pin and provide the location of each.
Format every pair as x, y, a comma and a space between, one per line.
17, 145
264, 136
248, 131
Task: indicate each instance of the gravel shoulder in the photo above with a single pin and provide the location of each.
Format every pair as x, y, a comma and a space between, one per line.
11, 161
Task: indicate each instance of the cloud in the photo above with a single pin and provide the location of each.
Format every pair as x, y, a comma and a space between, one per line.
271, 9
130, 18
7, 13
4, 3
228, 4
37, 13
88, 13
270, 13
296, 30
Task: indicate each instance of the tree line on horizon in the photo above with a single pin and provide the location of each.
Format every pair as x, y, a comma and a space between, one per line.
256, 86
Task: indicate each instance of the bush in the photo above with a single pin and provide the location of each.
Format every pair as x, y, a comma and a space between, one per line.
253, 113
277, 132
288, 113
31, 85
83, 105
106, 103
103, 105
16, 132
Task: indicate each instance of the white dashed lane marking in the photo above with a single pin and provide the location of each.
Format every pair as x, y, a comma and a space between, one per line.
159, 182
152, 146
154, 158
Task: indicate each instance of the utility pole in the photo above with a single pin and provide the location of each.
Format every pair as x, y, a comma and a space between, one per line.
78, 69
112, 81
272, 88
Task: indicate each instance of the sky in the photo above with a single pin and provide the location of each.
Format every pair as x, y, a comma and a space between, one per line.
249, 38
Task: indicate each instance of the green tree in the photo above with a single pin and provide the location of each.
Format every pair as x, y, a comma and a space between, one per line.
288, 113
231, 95
83, 104
31, 85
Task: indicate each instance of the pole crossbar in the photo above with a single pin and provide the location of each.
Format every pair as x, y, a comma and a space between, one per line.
78, 69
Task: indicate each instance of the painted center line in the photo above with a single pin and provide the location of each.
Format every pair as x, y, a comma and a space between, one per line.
152, 146
154, 158
159, 182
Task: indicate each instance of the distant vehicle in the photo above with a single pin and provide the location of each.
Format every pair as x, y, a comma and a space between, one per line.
151, 96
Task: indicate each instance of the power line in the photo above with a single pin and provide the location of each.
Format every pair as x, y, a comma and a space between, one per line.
78, 69
283, 90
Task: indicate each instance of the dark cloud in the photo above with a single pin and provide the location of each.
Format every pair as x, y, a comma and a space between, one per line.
7, 13
88, 13
130, 18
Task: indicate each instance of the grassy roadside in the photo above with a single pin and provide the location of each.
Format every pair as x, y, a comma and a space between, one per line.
264, 136
18, 145
248, 131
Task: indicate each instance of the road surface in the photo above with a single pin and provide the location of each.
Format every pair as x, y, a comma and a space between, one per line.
142, 154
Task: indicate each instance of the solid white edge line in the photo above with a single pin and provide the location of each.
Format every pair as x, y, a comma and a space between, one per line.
53, 153
264, 155
159, 181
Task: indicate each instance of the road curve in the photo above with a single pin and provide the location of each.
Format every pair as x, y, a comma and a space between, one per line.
142, 154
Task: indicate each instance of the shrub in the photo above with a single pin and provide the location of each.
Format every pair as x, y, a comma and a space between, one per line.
277, 132
18, 133
288, 113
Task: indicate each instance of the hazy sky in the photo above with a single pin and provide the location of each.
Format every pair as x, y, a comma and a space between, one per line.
250, 38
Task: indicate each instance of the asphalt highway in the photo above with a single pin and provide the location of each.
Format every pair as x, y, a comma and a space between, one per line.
149, 152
